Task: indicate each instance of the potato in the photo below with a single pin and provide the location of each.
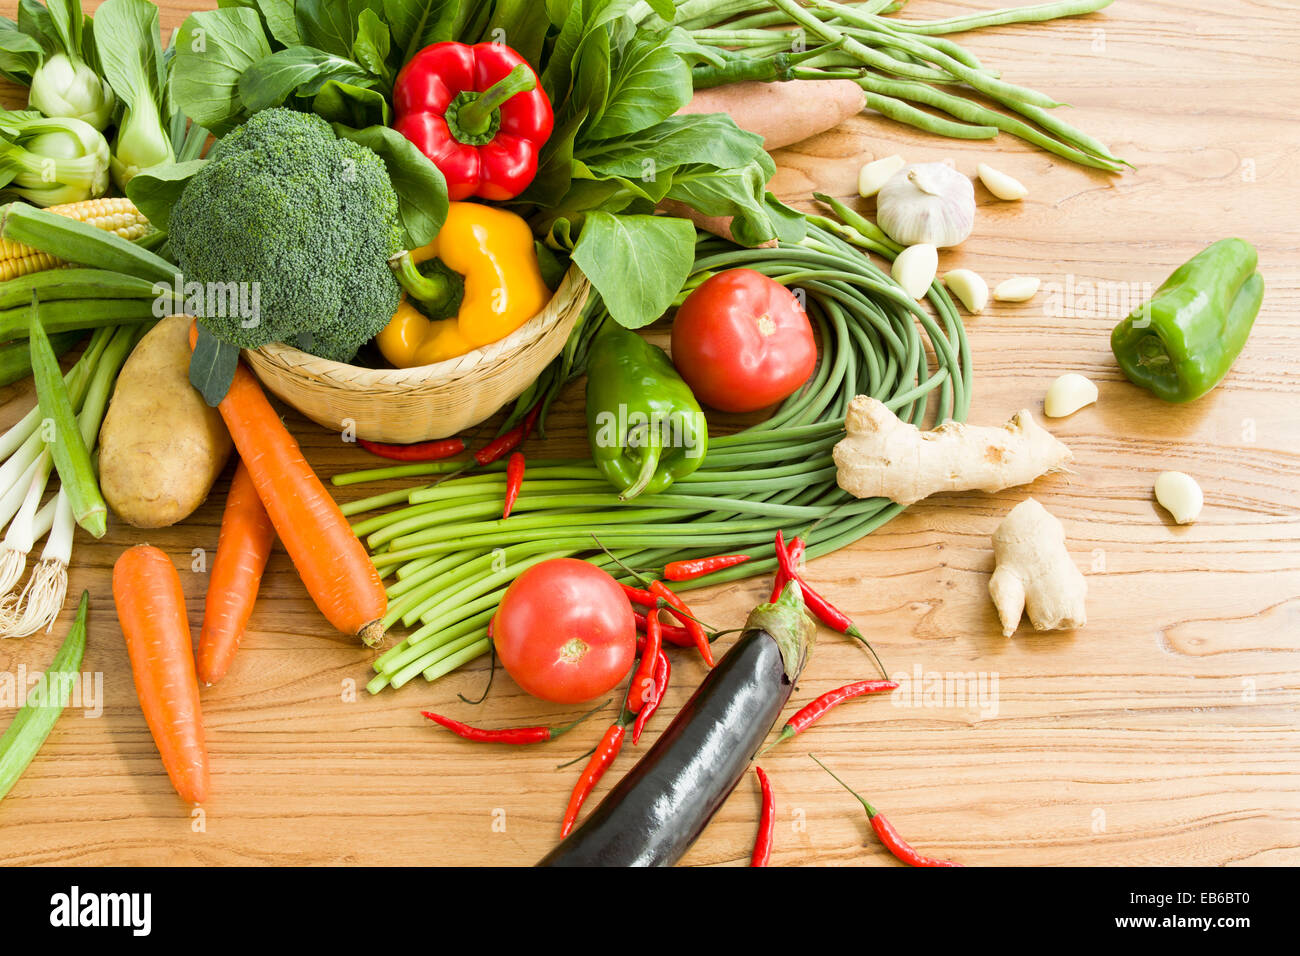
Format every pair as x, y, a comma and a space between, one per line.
161, 446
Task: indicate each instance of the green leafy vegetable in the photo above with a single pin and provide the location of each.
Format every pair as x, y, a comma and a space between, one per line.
278, 17
131, 57
47, 48
651, 83
372, 46
213, 50
300, 70
331, 25
51, 160
359, 106
618, 150
416, 24
155, 191
20, 54
212, 366
655, 255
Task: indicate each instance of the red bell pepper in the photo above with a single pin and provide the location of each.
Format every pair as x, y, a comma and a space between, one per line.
478, 112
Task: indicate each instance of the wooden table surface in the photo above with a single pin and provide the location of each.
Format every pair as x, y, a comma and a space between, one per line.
1165, 732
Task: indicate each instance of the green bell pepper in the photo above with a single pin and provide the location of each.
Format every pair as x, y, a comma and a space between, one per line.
644, 425
1182, 342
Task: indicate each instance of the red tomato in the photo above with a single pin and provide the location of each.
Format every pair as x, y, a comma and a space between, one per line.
742, 342
565, 631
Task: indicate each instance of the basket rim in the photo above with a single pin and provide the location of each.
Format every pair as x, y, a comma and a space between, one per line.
292, 360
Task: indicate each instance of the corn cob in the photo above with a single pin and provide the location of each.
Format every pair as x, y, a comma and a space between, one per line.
116, 215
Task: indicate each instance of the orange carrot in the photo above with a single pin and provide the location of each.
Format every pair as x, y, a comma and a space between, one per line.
242, 550
151, 609
330, 559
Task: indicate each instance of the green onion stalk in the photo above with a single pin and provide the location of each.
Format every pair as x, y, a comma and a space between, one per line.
37, 606
449, 556
909, 71
27, 462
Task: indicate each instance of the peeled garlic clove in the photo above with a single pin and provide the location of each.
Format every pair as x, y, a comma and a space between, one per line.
1000, 184
875, 174
1068, 394
969, 288
1180, 495
927, 204
1016, 289
915, 268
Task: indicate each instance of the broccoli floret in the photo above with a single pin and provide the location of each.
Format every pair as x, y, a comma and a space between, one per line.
310, 218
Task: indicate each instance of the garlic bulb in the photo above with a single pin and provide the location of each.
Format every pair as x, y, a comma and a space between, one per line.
927, 203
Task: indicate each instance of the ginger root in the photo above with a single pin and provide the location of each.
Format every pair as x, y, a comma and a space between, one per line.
883, 456
1033, 572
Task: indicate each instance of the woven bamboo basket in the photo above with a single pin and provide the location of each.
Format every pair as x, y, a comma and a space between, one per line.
430, 401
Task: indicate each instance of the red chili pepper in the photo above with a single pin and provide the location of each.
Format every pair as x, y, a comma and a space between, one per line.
500, 446
505, 443
420, 451
479, 114
678, 609
698, 567
795, 552
605, 754
766, 822
514, 478
643, 678
672, 633
890, 837
510, 735
638, 596
813, 712
821, 608
663, 671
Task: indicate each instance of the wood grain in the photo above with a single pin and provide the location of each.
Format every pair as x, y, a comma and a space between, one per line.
1163, 733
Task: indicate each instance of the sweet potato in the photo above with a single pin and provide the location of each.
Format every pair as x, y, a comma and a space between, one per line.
161, 446
782, 112
717, 225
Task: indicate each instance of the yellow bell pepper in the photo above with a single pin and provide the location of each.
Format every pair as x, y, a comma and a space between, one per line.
492, 249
